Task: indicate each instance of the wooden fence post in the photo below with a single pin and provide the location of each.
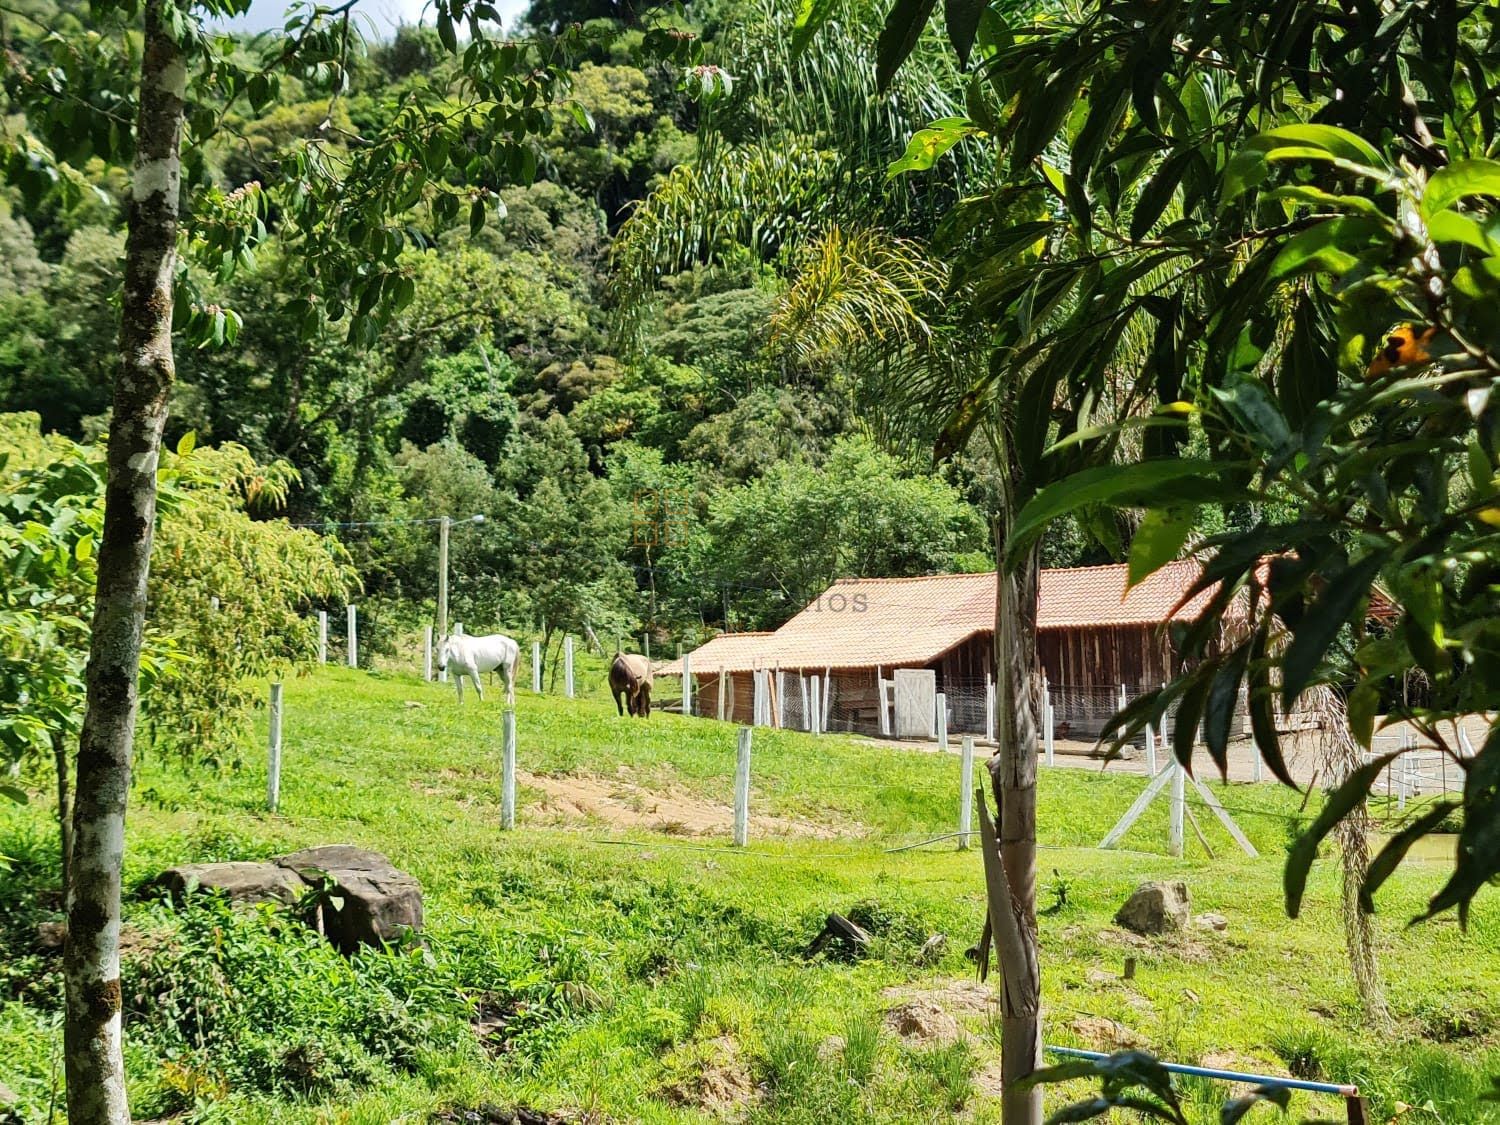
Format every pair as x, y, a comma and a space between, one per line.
508, 769
687, 684
536, 667
742, 790
353, 630
273, 771
568, 667
427, 654
965, 791
322, 636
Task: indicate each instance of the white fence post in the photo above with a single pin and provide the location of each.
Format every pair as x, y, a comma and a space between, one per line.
742, 790
758, 700
814, 705
427, 653
322, 636
687, 683
965, 790
508, 769
1123, 701
568, 666
1048, 721
353, 630
536, 667
825, 697
885, 718
1150, 751
1179, 805
1256, 765
723, 686
941, 720
273, 771
989, 708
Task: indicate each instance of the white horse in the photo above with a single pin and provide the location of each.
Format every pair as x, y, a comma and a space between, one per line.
473, 656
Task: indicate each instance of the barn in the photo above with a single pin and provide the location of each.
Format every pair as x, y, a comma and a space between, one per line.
1095, 638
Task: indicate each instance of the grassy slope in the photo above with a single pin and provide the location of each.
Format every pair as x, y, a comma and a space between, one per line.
662, 956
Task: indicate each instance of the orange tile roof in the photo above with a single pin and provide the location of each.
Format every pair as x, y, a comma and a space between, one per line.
866, 622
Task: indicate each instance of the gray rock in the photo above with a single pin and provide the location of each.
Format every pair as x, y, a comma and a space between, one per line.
7, 1095
242, 882
1212, 922
375, 904
1156, 908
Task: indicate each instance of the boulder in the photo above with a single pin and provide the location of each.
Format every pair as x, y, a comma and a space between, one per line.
374, 902
1156, 908
242, 882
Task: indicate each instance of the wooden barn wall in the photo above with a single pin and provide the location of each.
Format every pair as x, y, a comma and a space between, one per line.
739, 697
966, 665
1138, 657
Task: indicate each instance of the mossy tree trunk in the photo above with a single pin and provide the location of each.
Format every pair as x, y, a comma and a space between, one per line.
92, 1032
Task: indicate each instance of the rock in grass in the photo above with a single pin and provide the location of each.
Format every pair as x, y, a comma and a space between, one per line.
365, 900
1212, 922
1156, 908
368, 901
7, 1095
241, 882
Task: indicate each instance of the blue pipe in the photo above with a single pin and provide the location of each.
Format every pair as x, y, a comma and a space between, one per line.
1226, 1075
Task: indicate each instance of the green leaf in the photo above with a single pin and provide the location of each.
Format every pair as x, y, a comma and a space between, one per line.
1458, 181
1231, 1112
1336, 142
476, 218
1364, 705
1479, 838
186, 443
445, 30
1252, 407
1341, 802
1384, 865
1158, 540
1455, 227
1144, 483
962, 20
1321, 624
1158, 193
1219, 713
811, 15
903, 27
12, 793
1262, 719
1332, 247
926, 145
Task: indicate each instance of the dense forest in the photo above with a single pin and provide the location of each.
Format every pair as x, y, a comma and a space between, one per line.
647, 438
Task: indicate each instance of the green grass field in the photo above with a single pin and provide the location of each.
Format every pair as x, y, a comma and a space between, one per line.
627, 964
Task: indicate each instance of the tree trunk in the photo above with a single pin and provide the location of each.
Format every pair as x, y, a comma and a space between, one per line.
64, 808
1340, 756
95, 1070
1013, 775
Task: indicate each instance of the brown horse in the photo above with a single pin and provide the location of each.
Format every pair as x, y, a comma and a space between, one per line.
630, 676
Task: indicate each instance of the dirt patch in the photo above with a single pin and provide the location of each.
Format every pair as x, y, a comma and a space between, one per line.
923, 1021
932, 1015
1182, 945
488, 1114
714, 1077
1104, 1034
672, 810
